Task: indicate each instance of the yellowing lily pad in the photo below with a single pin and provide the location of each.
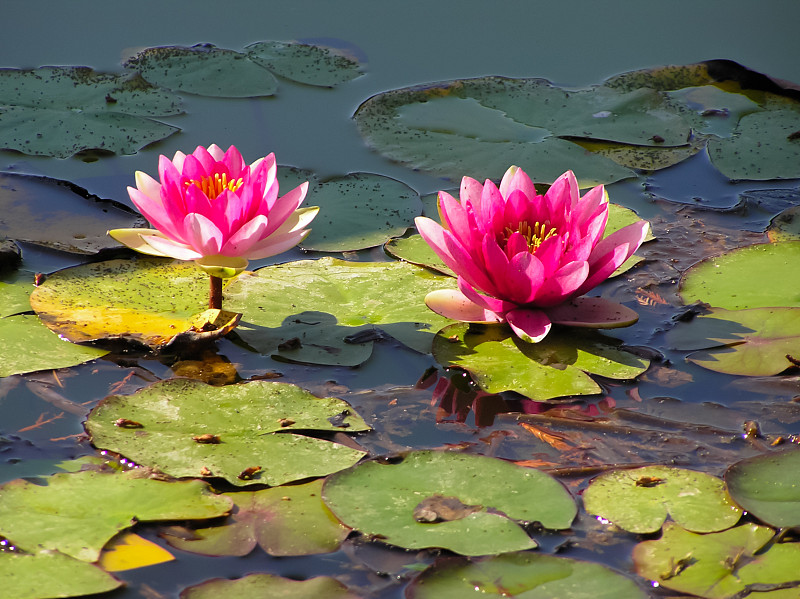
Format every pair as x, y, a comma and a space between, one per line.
721, 565
523, 574
768, 486
146, 300
258, 586
129, 551
48, 574
77, 513
640, 500
283, 521
244, 433
466, 503
556, 366
59, 111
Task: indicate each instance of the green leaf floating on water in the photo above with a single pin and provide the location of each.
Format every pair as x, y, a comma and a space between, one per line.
186, 428
753, 342
754, 276
556, 366
258, 586
305, 63
768, 486
523, 574
465, 503
283, 521
77, 513
48, 574
145, 300
59, 111
328, 305
359, 211
640, 500
205, 70
26, 345
721, 565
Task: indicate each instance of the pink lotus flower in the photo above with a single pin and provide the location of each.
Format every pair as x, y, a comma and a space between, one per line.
525, 259
211, 207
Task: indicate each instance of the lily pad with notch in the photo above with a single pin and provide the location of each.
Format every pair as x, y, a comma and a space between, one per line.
283, 521
722, 565
640, 500
245, 433
305, 63
557, 366
470, 504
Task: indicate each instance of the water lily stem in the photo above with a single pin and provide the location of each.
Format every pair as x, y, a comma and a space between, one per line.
215, 296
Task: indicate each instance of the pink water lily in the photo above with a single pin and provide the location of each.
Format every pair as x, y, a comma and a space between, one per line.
211, 207
526, 259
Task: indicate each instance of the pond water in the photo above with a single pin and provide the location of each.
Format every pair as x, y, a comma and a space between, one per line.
677, 413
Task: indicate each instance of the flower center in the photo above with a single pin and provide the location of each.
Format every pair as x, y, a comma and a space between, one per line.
213, 186
534, 235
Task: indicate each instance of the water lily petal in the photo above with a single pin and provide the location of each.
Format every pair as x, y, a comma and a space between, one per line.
491, 304
525, 276
562, 284
276, 244
455, 218
611, 252
248, 235
169, 248
284, 206
202, 234
517, 179
148, 186
470, 193
156, 214
592, 312
132, 238
451, 303
529, 325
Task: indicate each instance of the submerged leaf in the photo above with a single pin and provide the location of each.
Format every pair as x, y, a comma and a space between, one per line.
383, 497
243, 433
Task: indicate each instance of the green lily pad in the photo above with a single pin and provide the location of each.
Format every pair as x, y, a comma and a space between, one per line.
305, 63
640, 500
257, 586
753, 342
523, 574
721, 565
481, 126
360, 211
205, 70
556, 366
275, 300
77, 513
765, 145
465, 503
284, 521
754, 276
768, 486
151, 301
26, 345
785, 226
186, 428
59, 111
59, 215
49, 574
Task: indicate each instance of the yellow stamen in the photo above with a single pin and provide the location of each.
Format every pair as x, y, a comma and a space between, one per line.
534, 235
212, 187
